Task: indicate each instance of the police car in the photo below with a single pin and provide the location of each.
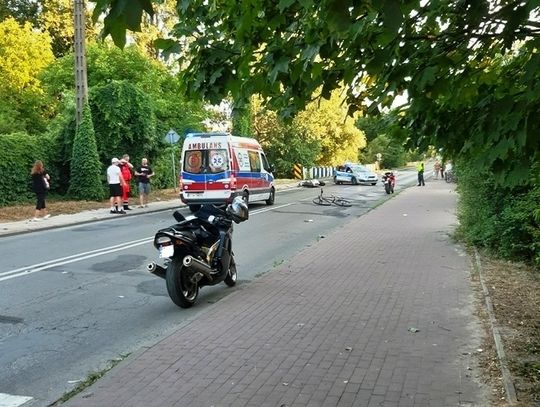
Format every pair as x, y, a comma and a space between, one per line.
355, 174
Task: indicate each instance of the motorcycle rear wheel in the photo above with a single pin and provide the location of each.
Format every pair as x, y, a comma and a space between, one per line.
182, 291
232, 274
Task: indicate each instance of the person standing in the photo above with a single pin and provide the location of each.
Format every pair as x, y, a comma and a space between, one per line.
126, 167
420, 169
436, 169
144, 173
40, 185
116, 181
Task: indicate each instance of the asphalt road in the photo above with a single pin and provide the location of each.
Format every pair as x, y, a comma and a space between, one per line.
83, 296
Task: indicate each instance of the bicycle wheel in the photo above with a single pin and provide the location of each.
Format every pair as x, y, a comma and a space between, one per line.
321, 201
342, 202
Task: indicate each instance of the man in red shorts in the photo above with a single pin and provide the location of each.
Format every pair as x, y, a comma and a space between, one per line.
125, 168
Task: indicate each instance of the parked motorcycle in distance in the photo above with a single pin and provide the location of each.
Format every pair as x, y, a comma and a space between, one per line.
197, 251
389, 182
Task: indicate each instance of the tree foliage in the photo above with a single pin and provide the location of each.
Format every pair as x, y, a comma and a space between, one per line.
392, 153
327, 122
23, 55
86, 170
56, 17
439, 52
503, 219
124, 121
106, 63
283, 143
21, 10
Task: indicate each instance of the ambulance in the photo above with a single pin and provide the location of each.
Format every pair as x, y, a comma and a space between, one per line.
216, 167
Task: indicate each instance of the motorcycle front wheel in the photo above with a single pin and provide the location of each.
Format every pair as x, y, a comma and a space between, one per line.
388, 188
182, 291
232, 274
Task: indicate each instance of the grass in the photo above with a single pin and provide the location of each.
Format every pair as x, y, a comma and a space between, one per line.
58, 206
90, 379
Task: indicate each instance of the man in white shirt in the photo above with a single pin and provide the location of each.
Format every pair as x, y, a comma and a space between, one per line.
115, 180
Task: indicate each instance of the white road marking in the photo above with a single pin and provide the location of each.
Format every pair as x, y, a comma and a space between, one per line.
24, 271
10, 400
72, 259
270, 208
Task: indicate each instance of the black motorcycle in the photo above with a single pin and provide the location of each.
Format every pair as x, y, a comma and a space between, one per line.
197, 251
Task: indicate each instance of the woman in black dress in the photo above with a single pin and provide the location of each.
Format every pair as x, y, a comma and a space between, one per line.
40, 185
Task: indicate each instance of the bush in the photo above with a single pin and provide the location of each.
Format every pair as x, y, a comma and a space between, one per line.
163, 169
18, 152
124, 121
499, 218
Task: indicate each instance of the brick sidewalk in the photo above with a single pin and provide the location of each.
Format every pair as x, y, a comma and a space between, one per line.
332, 327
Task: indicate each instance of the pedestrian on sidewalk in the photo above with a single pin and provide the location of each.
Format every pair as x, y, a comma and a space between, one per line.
116, 181
125, 168
40, 185
420, 169
144, 173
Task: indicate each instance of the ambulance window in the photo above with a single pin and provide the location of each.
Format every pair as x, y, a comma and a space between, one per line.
218, 161
265, 164
254, 161
193, 161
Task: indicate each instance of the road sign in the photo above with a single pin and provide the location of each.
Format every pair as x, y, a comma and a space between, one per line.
172, 137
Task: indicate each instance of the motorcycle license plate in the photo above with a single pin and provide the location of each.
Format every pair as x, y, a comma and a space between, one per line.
166, 251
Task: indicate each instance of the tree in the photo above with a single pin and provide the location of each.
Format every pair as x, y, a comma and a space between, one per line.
24, 53
327, 122
56, 17
440, 52
283, 144
21, 10
85, 179
392, 153
106, 63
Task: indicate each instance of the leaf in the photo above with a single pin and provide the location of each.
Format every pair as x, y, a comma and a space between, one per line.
393, 16
283, 4
281, 65
133, 15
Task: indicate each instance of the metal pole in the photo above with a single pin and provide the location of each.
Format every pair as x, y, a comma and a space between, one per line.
174, 169
81, 85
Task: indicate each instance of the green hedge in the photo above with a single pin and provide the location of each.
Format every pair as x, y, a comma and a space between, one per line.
505, 220
18, 152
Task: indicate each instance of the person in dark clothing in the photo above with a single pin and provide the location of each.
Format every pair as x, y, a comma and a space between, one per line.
144, 173
40, 185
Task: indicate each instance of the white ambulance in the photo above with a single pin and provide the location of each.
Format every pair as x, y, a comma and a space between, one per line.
216, 167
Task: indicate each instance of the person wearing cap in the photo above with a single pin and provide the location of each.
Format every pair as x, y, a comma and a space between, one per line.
115, 180
126, 167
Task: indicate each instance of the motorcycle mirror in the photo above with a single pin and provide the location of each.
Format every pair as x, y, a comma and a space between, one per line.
178, 216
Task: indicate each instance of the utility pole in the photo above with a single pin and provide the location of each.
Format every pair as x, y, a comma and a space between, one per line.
81, 85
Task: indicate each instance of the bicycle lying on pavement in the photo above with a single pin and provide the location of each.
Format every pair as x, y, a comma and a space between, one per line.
323, 200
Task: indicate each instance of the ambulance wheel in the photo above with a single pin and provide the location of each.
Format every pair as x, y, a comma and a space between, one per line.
245, 197
194, 208
270, 200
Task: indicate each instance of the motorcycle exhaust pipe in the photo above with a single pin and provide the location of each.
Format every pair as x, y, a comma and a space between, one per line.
197, 265
156, 269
